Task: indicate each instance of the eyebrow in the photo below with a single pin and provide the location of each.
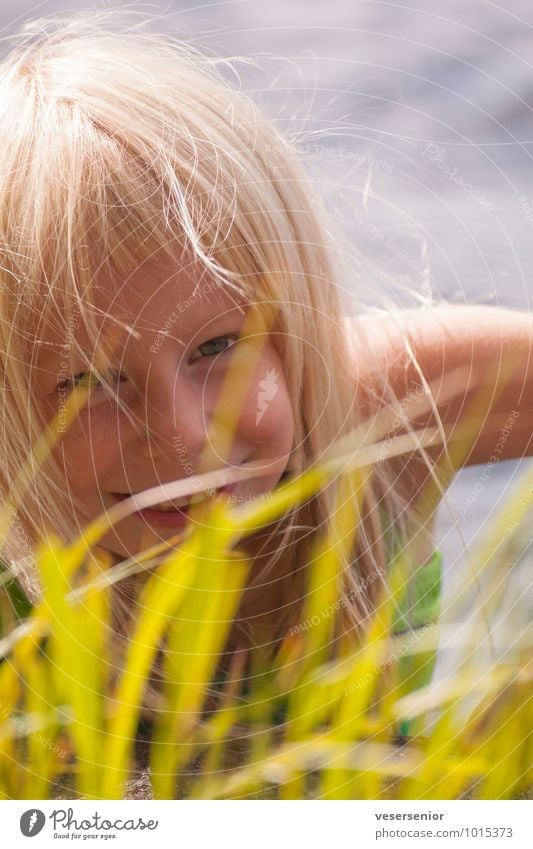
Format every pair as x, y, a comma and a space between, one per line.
55, 347
50, 352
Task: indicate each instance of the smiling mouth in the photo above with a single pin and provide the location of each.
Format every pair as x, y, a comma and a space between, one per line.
172, 504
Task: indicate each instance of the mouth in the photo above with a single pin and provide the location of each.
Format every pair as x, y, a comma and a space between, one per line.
173, 512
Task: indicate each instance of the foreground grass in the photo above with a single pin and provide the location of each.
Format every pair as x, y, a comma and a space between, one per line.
304, 722
315, 716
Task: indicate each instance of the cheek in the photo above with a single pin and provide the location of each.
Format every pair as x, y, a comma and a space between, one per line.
87, 452
268, 416
272, 420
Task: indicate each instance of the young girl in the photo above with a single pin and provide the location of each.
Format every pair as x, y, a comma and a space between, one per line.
156, 228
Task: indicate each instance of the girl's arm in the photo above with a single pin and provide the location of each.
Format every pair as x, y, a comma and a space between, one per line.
460, 350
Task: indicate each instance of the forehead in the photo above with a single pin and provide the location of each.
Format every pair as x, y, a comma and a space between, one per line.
152, 299
152, 293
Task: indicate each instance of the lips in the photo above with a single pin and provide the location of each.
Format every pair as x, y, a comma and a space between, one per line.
172, 512
172, 505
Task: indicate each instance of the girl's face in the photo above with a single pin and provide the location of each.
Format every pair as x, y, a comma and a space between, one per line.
166, 372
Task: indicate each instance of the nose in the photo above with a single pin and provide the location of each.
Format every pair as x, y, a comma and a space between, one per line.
185, 421
174, 422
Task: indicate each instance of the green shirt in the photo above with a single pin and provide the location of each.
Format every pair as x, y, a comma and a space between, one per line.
418, 607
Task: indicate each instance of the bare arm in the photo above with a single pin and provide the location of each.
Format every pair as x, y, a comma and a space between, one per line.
475, 348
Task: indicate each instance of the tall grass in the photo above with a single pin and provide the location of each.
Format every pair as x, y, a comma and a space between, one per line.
318, 718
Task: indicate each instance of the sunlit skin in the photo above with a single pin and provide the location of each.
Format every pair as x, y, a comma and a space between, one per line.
170, 382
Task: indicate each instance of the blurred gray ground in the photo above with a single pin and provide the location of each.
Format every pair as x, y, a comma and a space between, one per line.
415, 119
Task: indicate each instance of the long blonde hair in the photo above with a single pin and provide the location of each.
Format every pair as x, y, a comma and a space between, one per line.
119, 145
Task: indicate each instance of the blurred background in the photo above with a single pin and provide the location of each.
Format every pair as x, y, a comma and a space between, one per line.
415, 120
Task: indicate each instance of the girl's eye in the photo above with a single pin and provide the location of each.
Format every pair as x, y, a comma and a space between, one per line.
217, 345
86, 378
211, 348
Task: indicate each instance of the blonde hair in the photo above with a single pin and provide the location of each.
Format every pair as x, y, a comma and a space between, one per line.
118, 146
